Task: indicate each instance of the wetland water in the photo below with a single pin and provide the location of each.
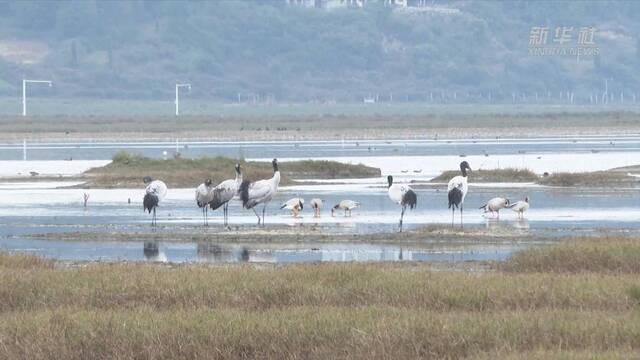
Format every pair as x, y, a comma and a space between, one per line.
45, 219
32, 220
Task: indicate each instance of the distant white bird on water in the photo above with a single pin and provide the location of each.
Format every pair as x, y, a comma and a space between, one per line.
520, 207
346, 205
495, 205
402, 195
224, 192
316, 205
295, 205
457, 191
253, 193
204, 195
155, 191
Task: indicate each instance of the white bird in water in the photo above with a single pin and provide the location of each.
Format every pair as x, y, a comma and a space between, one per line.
346, 205
224, 192
457, 190
295, 205
155, 191
495, 205
316, 205
204, 195
520, 207
402, 195
253, 193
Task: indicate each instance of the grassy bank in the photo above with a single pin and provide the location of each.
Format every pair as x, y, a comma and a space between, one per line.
495, 175
602, 255
127, 170
613, 177
326, 310
327, 122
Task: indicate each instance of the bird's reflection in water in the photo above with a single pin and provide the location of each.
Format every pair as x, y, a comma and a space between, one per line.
214, 253
522, 224
151, 251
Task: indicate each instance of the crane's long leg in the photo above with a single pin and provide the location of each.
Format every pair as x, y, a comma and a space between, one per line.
263, 209
453, 212
255, 212
226, 214
402, 216
153, 218
461, 225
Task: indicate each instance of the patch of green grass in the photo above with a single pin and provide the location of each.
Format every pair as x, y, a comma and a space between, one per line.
495, 175
588, 179
316, 311
611, 255
594, 179
128, 169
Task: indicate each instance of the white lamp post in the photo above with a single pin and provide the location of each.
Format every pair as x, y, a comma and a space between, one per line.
24, 92
178, 86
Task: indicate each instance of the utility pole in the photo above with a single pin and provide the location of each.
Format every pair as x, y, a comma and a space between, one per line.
178, 86
24, 92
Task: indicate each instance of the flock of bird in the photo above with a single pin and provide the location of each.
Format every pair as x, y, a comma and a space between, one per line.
261, 192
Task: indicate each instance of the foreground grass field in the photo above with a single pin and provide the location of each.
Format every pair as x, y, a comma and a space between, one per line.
127, 169
519, 310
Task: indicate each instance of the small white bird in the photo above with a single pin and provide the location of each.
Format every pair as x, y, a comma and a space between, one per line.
346, 205
457, 190
155, 191
204, 195
253, 193
520, 207
224, 192
402, 195
295, 205
495, 205
316, 205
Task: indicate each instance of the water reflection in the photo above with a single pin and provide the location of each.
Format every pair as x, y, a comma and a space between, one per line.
151, 251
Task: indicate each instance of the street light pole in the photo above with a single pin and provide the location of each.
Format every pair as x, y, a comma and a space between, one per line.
24, 92
178, 86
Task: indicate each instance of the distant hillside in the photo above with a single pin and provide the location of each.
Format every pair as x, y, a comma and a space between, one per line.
450, 51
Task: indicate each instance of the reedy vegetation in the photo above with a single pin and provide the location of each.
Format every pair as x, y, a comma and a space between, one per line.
327, 310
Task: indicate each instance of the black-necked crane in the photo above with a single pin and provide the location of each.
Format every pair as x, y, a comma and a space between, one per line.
316, 205
520, 207
346, 205
155, 191
457, 190
253, 193
224, 192
495, 205
402, 195
204, 195
295, 205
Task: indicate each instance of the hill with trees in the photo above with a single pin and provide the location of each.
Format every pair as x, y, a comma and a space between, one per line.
448, 51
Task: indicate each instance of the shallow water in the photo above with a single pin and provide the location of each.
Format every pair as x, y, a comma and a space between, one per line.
27, 211
100, 150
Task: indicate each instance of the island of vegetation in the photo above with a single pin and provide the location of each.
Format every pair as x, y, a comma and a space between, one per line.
609, 178
127, 170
